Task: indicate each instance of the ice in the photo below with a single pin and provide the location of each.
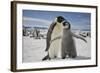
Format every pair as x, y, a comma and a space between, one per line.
34, 49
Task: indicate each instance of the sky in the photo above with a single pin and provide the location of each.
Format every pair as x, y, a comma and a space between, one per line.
34, 18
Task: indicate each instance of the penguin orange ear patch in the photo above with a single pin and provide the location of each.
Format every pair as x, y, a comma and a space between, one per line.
62, 36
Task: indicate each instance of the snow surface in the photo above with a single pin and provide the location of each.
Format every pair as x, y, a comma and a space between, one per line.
34, 49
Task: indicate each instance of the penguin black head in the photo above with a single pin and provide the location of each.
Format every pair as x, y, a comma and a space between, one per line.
60, 19
63, 21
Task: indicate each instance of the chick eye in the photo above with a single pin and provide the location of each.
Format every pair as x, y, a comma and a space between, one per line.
64, 24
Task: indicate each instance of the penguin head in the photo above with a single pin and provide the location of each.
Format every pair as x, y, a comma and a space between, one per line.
63, 22
66, 25
60, 19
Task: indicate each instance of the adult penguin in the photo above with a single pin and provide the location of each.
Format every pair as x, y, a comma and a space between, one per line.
60, 43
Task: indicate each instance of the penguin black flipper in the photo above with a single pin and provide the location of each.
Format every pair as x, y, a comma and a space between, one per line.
49, 35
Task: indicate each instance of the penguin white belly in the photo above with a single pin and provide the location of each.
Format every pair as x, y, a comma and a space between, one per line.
55, 46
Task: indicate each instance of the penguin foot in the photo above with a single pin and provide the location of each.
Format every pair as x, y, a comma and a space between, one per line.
73, 56
63, 57
46, 57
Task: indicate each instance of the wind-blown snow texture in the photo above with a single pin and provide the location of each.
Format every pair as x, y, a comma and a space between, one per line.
34, 49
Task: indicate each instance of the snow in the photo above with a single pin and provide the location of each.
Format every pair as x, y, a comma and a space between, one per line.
34, 49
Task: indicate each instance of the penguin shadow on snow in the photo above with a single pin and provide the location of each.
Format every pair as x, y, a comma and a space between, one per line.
60, 43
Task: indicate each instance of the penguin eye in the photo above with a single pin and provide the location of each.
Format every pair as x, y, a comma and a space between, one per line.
64, 24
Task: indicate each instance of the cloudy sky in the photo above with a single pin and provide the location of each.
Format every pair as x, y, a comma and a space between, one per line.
34, 18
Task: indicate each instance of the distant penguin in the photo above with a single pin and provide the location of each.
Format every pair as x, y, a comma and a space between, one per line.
60, 43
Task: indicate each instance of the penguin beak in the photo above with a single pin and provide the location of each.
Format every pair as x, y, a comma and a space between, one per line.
63, 22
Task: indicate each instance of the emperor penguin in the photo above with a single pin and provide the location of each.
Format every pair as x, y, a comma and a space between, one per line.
60, 42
